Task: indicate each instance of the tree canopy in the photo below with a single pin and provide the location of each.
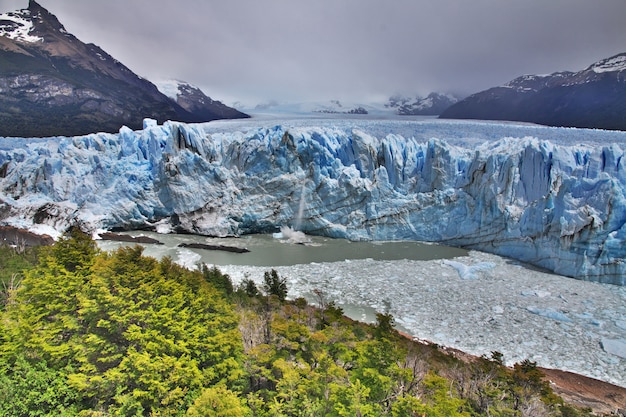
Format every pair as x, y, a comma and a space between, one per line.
128, 334
91, 333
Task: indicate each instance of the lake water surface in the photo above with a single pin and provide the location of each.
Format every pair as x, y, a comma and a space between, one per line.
268, 251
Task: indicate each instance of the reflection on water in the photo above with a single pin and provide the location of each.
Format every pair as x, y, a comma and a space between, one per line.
266, 250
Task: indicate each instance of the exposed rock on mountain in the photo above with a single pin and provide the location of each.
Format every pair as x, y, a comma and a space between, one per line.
432, 105
593, 98
51, 83
193, 100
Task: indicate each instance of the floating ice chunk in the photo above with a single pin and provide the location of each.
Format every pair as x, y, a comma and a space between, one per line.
536, 293
549, 313
615, 347
469, 271
497, 310
188, 259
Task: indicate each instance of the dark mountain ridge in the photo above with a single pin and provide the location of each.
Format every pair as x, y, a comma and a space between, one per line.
52, 84
592, 98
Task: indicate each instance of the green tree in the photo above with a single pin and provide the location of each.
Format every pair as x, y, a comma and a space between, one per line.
249, 287
75, 250
218, 402
440, 400
13, 263
384, 325
273, 284
34, 389
128, 334
353, 400
218, 279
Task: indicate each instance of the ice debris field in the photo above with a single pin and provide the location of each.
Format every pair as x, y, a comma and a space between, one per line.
478, 304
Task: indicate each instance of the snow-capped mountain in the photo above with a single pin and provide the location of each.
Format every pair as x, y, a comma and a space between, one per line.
337, 107
54, 84
493, 188
192, 99
594, 97
432, 105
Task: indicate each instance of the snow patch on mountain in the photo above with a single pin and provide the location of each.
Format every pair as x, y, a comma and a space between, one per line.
431, 105
616, 63
171, 88
18, 26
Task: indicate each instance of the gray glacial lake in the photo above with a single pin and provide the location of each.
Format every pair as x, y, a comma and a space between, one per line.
267, 250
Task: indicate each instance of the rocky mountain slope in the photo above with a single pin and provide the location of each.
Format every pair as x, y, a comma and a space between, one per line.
51, 83
593, 98
193, 100
432, 105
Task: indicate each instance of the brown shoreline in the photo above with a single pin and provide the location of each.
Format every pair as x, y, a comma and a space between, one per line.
579, 390
602, 397
14, 236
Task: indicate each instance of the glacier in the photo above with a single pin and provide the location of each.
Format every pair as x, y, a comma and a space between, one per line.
551, 197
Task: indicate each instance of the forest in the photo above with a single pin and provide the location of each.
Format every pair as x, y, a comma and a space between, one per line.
85, 332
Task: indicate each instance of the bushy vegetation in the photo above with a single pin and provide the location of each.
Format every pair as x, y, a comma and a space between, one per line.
88, 333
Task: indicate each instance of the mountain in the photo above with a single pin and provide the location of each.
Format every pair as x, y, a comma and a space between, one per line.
559, 204
592, 98
51, 83
193, 100
329, 107
432, 105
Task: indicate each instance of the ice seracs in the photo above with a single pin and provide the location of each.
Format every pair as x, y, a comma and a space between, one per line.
557, 204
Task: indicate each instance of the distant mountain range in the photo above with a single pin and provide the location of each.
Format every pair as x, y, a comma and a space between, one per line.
52, 84
592, 98
314, 107
432, 105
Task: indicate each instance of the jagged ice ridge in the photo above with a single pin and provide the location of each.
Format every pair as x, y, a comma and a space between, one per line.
558, 206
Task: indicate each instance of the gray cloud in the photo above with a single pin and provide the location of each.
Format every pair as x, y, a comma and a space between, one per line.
254, 50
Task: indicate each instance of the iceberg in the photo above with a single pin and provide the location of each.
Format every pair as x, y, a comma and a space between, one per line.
557, 204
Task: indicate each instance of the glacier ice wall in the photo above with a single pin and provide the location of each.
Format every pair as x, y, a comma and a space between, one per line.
555, 206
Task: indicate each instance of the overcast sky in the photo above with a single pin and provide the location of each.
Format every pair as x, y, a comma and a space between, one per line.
360, 50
